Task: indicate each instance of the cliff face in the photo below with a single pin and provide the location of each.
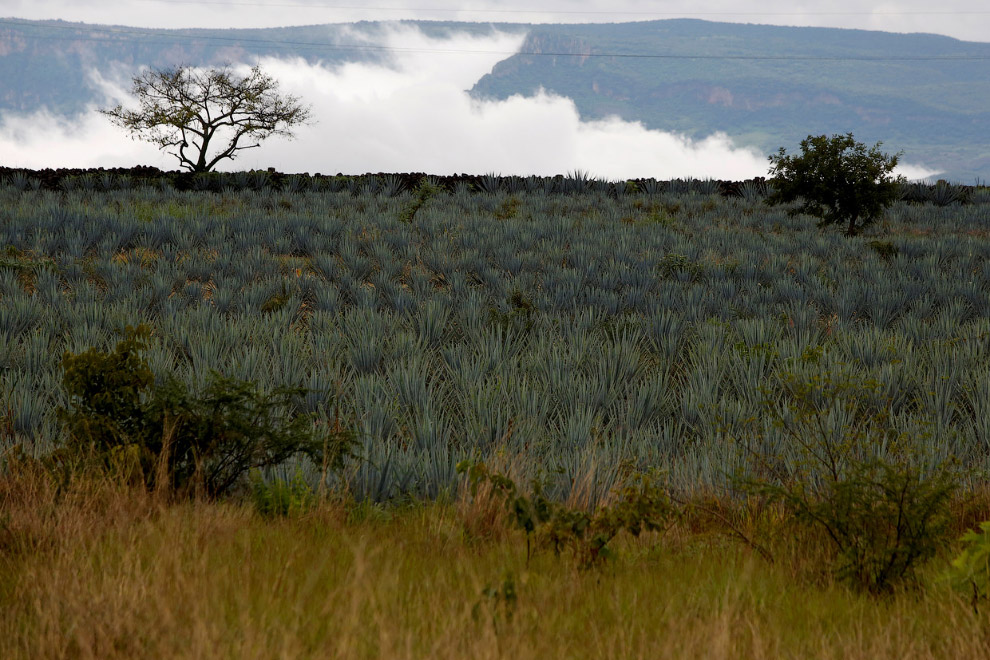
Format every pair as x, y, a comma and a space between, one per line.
555, 46
767, 86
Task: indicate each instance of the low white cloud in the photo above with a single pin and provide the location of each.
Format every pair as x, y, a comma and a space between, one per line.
42, 140
913, 172
412, 116
419, 118
415, 116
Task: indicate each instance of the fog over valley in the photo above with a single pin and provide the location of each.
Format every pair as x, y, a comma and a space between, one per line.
411, 112
617, 89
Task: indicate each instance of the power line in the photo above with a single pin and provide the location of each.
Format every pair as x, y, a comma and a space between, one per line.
465, 51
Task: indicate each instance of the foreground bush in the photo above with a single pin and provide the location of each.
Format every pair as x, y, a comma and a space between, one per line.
180, 440
882, 515
970, 570
641, 506
282, 498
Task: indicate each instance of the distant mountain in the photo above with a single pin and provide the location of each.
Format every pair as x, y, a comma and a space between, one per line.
770, 86
764, 86
44, 63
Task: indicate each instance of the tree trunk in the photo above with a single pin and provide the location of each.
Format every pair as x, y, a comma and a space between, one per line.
852, 227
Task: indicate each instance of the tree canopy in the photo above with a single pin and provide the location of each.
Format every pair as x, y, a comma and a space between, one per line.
838, 180
192, 111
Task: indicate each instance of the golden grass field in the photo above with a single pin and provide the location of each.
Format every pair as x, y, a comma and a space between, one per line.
101, 570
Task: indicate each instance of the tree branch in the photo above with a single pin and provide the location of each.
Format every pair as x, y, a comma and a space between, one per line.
178, 102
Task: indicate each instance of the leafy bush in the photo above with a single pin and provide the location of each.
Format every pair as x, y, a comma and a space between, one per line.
212, 439
184, 441
837, 179
280, 498
520, 315
970, 571
882, 517
885, 249
107, 394
673, 263
641, 505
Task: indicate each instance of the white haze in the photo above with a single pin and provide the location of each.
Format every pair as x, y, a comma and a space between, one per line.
415, 116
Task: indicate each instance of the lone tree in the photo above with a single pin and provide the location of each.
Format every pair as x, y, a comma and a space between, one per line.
194, 110
838, 180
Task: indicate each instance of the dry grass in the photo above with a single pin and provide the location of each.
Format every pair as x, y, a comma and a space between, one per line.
91, 569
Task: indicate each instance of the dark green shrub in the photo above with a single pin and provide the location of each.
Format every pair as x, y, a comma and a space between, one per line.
281, 498
640, 506
211, 439
183, 441
882, 516
508, 209
885, 249
970, 570
107, 393
673, 263
520, 315
838, 179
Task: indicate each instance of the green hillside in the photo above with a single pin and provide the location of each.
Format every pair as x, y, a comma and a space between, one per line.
702, 77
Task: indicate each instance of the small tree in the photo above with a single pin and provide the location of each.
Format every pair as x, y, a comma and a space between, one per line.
838, 180
180, 439
189, 109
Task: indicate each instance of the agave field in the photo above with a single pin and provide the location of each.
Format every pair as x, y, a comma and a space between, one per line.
570, 327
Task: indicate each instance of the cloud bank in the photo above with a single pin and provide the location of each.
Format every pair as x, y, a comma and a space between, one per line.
414, 116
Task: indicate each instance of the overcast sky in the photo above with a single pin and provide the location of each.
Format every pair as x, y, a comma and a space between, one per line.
963, 19
418, 117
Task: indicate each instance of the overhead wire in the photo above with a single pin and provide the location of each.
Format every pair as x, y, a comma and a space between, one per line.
280, 43
564, 12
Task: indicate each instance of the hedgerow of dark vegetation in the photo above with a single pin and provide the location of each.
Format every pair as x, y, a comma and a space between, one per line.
941, 193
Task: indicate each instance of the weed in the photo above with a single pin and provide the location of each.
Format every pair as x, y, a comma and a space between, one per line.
970, 570
520, 315
281, 498
508, 209
25, 264
423, 193
500, 601
885, 249
673, 263
641, 506
882, 516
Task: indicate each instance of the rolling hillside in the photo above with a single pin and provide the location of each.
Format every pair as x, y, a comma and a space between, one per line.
769, 86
